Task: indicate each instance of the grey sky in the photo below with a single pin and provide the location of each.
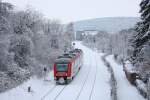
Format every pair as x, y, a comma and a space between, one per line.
73, 10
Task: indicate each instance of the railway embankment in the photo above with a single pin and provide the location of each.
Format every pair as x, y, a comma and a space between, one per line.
113, 82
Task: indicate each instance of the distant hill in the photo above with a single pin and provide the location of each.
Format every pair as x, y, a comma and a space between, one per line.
112, 24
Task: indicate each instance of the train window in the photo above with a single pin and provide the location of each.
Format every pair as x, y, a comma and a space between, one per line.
62, 67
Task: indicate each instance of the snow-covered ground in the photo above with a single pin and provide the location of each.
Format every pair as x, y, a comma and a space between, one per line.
91, 83
125, 91
38, 87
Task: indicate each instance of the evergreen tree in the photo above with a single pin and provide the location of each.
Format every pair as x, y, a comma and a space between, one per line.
141, 41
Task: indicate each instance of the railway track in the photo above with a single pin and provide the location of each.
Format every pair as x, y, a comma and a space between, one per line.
51, 90
73, 80
54, 87
60, 92
80, 90
94, 81
82, 87
84, 82
47, 93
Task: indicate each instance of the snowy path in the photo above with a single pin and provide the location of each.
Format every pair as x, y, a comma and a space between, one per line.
91, 83
125, 91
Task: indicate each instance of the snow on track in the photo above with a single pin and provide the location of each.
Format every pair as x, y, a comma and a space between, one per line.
55, 93
91, 83
102, 87
97, 85
125, 90
75, 87
45, 95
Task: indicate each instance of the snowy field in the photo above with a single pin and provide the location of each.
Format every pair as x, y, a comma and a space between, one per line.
91, 83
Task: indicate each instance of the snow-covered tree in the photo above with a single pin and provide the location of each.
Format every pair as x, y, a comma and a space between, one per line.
28, 43
5, 9
70, 31
141, 41
124, 43
69, 36
5, 30
101, 41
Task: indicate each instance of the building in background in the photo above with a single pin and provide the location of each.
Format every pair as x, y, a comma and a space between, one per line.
81, 34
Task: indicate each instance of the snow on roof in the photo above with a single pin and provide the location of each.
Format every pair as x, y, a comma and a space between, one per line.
62, 60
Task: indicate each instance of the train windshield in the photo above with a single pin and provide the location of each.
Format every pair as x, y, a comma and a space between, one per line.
62, 67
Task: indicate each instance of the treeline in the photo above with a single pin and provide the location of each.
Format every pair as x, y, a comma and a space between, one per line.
28, 43
118, 44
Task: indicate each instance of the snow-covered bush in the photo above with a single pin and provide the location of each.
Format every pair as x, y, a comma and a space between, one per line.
21, 47
3, 55
35, 67
5, 81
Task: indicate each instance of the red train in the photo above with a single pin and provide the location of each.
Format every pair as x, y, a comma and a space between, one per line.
67, 66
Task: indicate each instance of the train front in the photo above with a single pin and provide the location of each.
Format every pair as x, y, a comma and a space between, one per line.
62, 70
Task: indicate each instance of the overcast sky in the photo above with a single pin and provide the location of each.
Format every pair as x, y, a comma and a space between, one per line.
74, 10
